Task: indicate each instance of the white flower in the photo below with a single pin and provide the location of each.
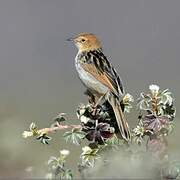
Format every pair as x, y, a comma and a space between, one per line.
64, 152
81, 110
139, 129
84, 119
26, 134
154, 89
128, 98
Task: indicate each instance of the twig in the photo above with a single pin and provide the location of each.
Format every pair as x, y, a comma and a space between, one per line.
27, 134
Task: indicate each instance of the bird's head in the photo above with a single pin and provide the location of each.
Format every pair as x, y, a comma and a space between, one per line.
86, 42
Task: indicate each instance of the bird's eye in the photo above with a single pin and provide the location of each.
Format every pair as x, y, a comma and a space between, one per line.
83, 40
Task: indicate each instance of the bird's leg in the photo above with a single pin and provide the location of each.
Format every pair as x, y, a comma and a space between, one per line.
92, 101
91, 97
99, 101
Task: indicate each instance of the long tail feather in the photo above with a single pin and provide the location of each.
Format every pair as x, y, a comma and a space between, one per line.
120, 118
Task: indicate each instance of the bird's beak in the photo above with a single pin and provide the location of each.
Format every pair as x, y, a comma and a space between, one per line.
70, 39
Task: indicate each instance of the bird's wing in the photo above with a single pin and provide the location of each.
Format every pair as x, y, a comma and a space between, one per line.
101, 69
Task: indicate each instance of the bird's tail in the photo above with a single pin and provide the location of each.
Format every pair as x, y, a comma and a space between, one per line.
120, 118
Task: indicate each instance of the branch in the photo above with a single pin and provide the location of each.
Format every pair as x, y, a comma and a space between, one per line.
35, 132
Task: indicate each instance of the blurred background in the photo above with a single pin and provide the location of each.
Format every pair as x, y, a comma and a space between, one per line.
37, 75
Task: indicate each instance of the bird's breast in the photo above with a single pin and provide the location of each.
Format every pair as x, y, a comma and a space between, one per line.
89, 80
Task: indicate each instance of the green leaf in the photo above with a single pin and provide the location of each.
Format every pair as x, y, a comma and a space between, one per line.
127, 107
169, 110
60, 118
112, 144
170, 127
89, 156
52, 160
144, 105
114, 141
32, 126
67, 174
165, 97
74, 136
43, 138
147, 97
138, 139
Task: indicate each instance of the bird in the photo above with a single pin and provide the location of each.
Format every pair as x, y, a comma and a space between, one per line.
100, 77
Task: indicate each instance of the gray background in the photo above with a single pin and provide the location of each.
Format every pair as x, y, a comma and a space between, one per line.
37, 74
